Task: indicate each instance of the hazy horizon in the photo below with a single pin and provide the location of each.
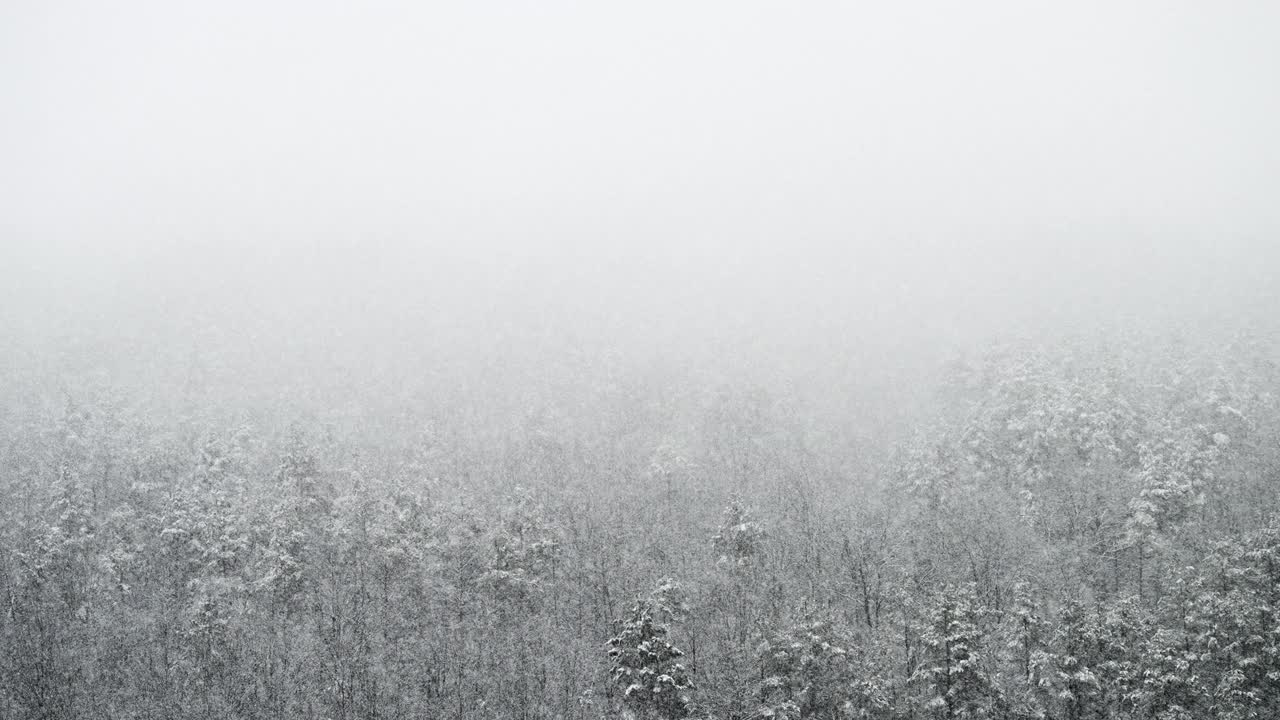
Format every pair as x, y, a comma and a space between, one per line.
849, 185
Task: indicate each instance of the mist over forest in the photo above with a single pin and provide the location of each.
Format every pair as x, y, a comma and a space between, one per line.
712, 361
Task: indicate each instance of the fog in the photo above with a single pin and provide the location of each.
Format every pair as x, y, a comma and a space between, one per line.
747, 187
668, 360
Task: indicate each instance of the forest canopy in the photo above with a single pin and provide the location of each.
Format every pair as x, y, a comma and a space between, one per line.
1063, 529
569, 360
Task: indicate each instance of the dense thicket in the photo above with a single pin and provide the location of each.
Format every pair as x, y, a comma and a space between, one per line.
1083, 530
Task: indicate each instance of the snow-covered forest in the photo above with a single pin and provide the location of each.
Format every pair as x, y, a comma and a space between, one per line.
1086, 527
559, 360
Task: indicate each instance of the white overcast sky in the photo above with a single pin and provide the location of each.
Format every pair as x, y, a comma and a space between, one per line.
918, 139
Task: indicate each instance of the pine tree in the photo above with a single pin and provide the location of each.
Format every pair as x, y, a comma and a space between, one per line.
959, 684
1075, 683
808, 673
739, 538
645, 664
526, 545
1235, 626
1028, 639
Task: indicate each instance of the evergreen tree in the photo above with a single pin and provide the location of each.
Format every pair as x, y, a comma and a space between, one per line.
958, 680
1076, 685
644, 662
739, 538
808, 673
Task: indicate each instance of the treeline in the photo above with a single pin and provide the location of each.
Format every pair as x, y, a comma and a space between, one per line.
1088, 530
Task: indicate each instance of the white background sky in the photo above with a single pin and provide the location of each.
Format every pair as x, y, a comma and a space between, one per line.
695, 157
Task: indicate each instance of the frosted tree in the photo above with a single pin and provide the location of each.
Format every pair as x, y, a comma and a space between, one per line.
1027, 643
807, 672
1232, 625
1075, 684
960, 686
1173, 474
740, 538
644, 662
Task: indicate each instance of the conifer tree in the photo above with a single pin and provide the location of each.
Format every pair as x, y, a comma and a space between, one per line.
645, 664
739, 538
958, 680
1076, 686
808, 673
